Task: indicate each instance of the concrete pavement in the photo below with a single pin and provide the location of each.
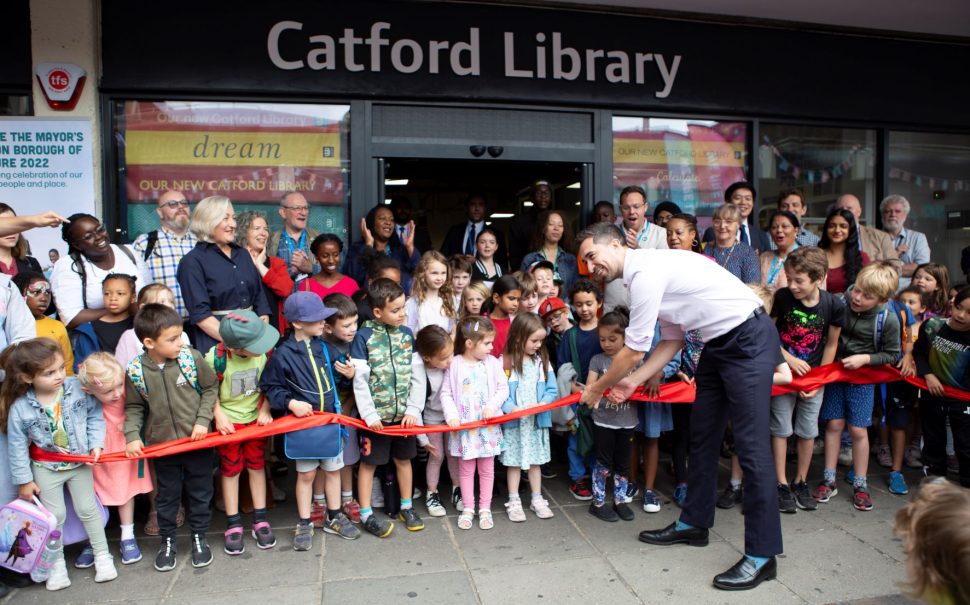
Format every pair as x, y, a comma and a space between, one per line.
836, 554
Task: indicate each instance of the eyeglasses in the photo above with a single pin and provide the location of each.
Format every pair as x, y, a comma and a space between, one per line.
298, 208
93, 235
173, 204
38, 290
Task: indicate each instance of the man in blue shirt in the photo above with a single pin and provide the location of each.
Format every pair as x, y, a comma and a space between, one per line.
911, 245
292, 242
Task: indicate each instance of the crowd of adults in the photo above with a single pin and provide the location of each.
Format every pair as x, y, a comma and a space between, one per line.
215, 260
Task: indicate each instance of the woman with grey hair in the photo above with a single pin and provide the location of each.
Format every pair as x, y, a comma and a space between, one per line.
252, 233
218, 275
738, 258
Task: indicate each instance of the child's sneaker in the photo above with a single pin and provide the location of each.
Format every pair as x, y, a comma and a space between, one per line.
303, 537
803, 496
264, 536
952, 464
651, 503
201, 553
341, 526
850, 477
351, 508
680, 493
632, 491
234, 541
104, 566
580, 489
130, 553
623, 511
318, 513
861, 499
456, 499
884, 456
825, 491
786, 500
409, 517
85, 558
897, 484
165, 559
730, 496
547, 471
381, 528
603, 512
58, 578
912, 457
540, 506
434, 506
514, 510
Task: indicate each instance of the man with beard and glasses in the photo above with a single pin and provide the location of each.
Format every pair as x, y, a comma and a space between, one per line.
911, 245
163, 249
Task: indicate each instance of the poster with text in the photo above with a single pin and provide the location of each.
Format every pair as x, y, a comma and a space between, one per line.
46, 164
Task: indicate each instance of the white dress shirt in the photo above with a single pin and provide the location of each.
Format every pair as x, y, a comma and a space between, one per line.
684, 291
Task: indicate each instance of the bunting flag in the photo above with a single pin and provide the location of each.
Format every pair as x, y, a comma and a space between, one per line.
815, 176
674, 392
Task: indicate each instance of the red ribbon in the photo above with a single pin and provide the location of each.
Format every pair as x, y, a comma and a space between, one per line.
674, 392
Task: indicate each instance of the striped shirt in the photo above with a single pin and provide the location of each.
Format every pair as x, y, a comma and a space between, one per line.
164, 260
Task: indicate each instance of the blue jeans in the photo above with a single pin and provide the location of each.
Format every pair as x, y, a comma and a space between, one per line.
577, 464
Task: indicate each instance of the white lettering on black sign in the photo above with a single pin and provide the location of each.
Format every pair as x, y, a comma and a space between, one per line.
355, 53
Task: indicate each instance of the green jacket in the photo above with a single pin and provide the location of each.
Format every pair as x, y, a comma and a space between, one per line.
173, 405
385, 388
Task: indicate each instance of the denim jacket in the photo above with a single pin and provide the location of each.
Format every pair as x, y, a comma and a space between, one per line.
27, 423
546, 392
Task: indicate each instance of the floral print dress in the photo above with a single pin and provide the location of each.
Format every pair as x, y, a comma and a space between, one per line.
475, 443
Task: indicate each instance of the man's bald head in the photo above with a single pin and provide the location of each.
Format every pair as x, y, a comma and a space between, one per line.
849, 202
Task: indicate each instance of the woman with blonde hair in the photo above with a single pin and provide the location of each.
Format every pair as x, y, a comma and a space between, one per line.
218, 275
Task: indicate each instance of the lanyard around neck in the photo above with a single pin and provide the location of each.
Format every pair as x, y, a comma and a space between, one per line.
316, 375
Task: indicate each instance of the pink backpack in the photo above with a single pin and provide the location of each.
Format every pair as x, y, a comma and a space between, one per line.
24, 529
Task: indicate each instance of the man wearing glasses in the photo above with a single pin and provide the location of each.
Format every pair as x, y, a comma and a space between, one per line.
163, 248
292, 242
638, 233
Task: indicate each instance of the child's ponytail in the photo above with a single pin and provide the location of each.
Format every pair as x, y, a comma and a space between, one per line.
618, 318
20, 360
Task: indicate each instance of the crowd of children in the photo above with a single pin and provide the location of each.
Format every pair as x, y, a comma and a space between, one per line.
466, 344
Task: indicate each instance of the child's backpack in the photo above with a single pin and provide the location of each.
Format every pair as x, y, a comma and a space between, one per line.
186, 364
877, 332
24, 530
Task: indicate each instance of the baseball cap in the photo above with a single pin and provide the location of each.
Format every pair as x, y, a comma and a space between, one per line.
550, 305
245, 330
306, 306
546, 264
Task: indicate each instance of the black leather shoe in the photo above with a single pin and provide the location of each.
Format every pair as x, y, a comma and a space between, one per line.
695, 536
744, 576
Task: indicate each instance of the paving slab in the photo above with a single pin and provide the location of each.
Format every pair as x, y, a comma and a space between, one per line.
585, 580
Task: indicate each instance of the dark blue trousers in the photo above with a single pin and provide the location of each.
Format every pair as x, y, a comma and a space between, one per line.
734, 382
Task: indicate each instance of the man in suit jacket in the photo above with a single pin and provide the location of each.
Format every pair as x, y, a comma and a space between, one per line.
401, 207
743, 195
457, 239
875, 243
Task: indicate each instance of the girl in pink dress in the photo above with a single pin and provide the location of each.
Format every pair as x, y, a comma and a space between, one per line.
117, 483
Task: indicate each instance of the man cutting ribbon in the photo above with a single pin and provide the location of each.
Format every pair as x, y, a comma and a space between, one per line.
685, 291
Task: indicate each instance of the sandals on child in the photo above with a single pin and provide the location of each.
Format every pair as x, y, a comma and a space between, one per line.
485, 519
151, 524
465, 519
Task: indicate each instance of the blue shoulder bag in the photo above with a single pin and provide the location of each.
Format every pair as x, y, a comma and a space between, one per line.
317, 442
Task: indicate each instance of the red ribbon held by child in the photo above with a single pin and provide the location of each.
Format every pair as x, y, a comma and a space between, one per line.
674, 392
